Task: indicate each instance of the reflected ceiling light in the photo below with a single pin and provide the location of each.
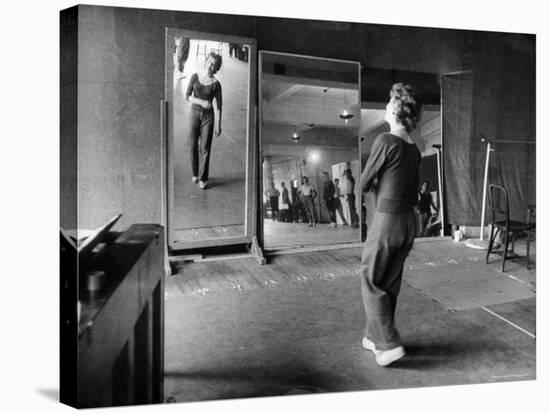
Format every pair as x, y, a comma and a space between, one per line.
295, 137
314, 156
346, 115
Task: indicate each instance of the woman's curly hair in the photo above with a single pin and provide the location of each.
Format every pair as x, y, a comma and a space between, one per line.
406, 105
217, 61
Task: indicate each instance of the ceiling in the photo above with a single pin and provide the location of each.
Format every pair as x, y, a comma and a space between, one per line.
299, 98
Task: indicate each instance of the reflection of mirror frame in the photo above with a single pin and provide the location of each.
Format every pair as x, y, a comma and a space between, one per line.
168, 185
261, 54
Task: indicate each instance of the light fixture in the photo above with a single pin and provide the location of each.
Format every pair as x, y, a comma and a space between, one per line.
346, 115
295, 137
314, 156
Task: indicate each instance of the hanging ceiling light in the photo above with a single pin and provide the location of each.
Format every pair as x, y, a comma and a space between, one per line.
295, 137
346, 115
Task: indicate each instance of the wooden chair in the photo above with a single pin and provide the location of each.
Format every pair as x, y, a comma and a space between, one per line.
499, 205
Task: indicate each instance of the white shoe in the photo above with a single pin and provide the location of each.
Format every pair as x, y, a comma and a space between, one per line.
386, 357
195, 179
202, 184
368, 344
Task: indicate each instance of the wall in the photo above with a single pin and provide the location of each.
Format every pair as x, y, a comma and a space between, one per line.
120, 84
68, 119
121, 80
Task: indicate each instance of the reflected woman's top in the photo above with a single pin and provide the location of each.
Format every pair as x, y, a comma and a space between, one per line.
206, 92
307, 190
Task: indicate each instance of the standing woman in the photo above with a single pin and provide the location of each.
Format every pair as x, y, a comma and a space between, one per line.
394, 161
206, 119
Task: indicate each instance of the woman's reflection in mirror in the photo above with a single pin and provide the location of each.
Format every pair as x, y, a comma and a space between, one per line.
204, 92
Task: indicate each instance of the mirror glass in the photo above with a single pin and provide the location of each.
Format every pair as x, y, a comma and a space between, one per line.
310, 150
208, 90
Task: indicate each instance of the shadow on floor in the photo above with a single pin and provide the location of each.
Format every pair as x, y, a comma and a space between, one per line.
51, 394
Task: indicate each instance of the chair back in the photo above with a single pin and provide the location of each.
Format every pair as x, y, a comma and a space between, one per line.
499, 203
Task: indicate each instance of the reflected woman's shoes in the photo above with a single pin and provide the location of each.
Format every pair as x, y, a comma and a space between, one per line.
195, 179
202, 184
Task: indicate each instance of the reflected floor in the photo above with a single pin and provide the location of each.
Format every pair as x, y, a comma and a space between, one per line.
279, 234
206, 233
221, 204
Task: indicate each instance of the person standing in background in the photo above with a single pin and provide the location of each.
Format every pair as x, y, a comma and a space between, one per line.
309, 194
424, 206
273, 196
284, 205
328, 198
182, 53
348, 189
337, 202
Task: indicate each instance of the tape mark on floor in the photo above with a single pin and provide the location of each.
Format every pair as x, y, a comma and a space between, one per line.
509, 322
513, 277
510, 376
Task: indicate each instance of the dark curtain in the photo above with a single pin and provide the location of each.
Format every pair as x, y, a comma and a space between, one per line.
496, 101
461, 199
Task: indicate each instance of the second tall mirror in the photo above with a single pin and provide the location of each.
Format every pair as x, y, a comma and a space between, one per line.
310, 150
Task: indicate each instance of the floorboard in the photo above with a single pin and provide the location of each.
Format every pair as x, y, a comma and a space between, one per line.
236, 329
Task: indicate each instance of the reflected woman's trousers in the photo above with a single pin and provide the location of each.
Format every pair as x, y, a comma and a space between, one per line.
389, 240
201, 131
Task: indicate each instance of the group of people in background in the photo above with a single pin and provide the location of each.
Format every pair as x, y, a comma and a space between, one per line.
334, 192
302, 206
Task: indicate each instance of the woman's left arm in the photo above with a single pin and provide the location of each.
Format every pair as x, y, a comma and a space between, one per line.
218, 98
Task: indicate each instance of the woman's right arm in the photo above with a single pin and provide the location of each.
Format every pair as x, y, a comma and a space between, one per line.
193, 99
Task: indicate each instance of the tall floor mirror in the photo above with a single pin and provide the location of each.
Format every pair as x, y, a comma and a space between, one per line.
209, 120
310, 151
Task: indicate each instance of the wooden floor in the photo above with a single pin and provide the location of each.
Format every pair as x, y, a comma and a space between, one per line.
235, 329
431, 262
279, 234
207, 233
223, 275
